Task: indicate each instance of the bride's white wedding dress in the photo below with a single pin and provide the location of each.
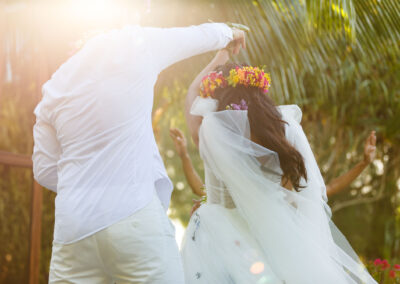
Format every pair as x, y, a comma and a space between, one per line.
252, 230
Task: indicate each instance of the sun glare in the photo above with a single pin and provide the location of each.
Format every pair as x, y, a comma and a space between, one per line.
94, 10
100, 13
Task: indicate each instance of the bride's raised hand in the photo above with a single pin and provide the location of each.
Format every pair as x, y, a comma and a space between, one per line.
179, 141
239, 40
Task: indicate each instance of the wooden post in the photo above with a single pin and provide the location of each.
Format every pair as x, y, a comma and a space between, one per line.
25, 161
40, 65
2, 36
36, 231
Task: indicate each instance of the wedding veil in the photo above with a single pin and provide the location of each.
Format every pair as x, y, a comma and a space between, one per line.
293, 229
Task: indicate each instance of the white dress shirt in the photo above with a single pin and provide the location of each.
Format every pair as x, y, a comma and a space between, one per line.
94, 143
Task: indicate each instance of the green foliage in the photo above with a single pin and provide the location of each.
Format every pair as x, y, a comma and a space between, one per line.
169, 105
341, 63
339, 60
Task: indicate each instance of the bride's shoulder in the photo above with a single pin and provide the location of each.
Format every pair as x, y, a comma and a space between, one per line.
291, 112
202, 106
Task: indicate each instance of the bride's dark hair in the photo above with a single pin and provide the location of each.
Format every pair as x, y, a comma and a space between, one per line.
266, 126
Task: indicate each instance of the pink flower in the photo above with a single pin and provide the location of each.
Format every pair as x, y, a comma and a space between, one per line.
396, 267
241, 106
392, 274
235, 106
385, 264
377, 262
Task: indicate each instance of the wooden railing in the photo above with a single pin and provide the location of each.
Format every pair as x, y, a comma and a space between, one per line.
39, 50
25, 161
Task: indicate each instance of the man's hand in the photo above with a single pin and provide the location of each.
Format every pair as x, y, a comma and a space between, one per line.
179, 140
370, 148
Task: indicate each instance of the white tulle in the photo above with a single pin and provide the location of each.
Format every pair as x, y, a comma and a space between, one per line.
252, 230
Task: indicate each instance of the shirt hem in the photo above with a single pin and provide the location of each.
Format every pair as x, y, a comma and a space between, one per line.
105, 226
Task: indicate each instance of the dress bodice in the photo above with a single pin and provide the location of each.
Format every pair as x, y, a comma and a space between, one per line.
220, 196
218, 193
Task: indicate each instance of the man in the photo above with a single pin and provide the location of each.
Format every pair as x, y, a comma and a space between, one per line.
95, 147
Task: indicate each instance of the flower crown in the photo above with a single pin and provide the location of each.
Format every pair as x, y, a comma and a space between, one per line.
241, 106
247, 76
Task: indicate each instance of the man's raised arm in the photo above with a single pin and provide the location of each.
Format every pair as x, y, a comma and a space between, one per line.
170, 45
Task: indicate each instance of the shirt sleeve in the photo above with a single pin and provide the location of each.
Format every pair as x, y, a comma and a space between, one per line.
170, 45
46, 153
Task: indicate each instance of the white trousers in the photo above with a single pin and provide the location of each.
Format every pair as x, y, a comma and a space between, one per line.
139, 249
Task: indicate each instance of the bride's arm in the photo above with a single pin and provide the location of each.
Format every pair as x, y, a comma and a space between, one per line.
339, 184
192, 177
194, 121
220, 58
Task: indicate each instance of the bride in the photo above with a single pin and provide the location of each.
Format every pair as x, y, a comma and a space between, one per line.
265, 219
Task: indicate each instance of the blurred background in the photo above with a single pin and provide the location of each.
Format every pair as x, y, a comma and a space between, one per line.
339, 60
